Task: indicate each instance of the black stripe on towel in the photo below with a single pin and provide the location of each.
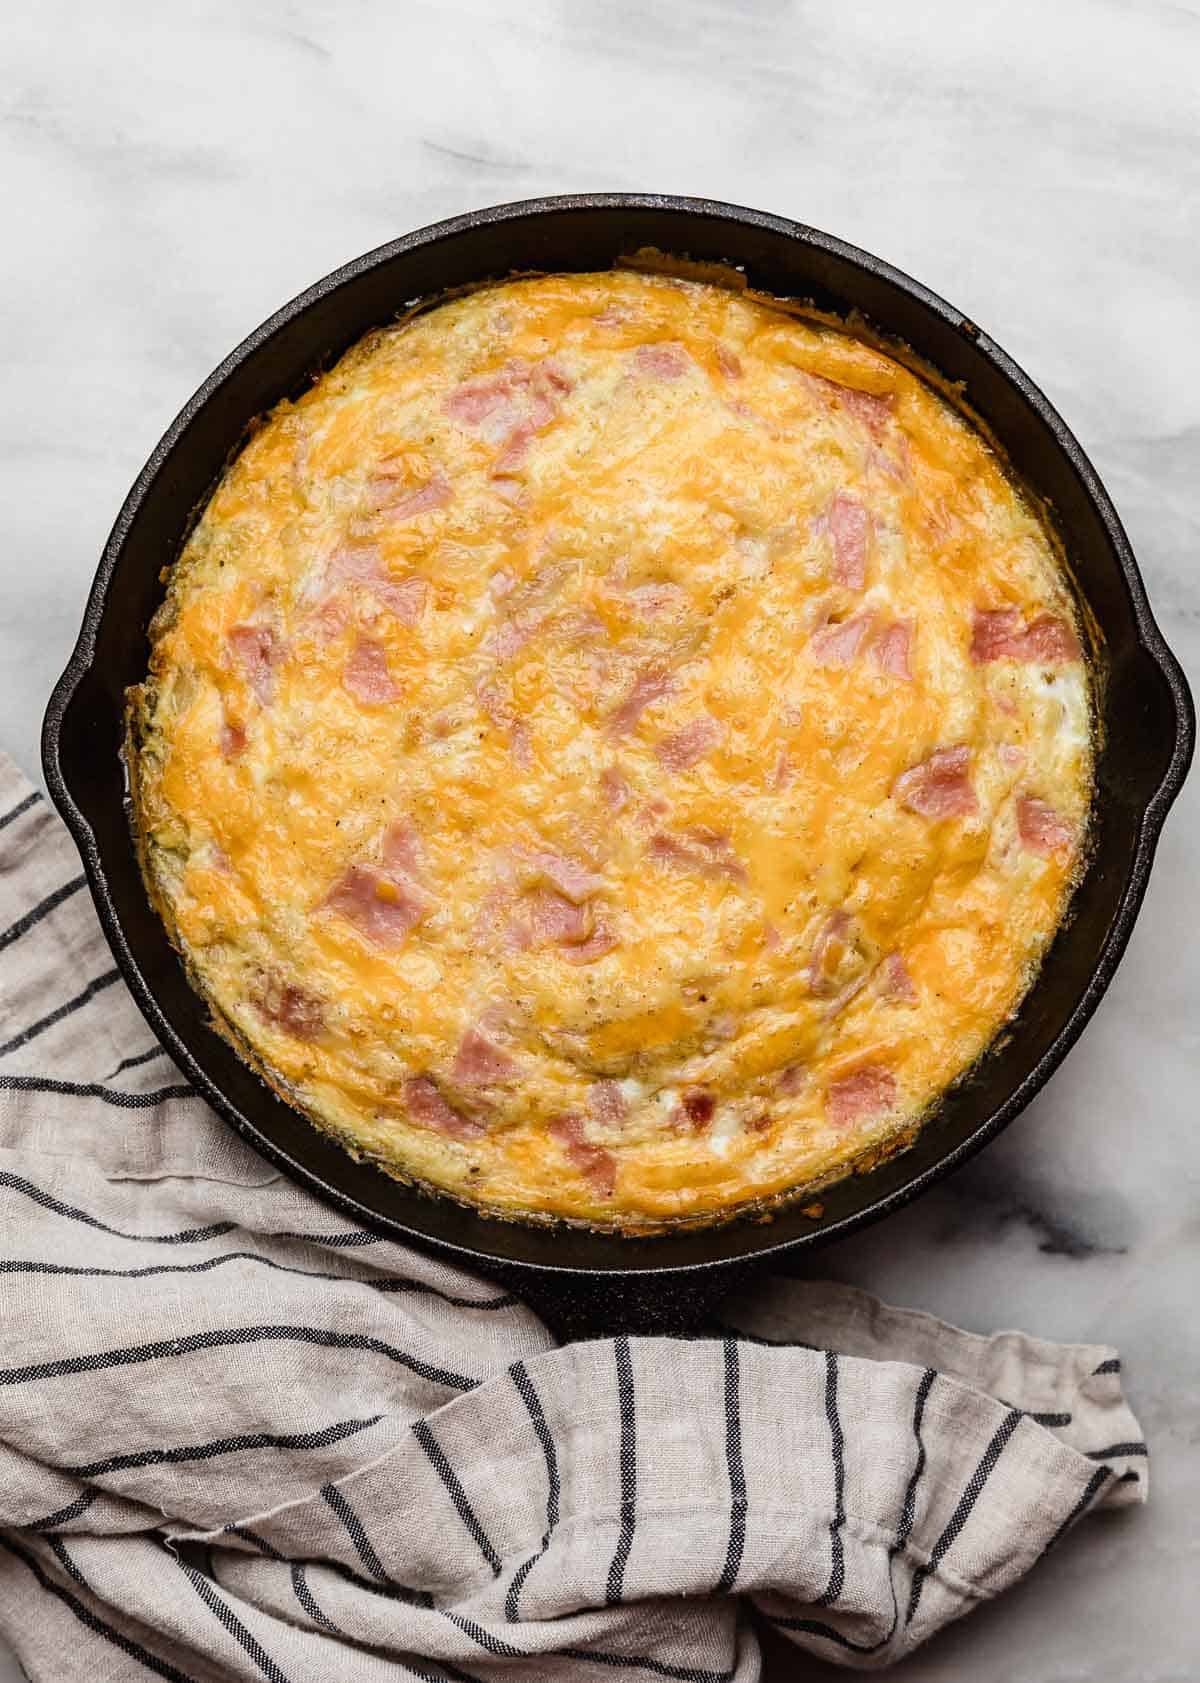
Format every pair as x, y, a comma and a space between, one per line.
837, 1561
383, 1284
440, 1463
190, 1235
91, 1621
1116, 1451
736, 1468
164, 1349
35, 914
60, 1013
1112, 1365
541, 1427
962, 1511
909, 1511
356, 1531
307, 1600
594, 1656
355, 1239
225, 1446
63, 1516
92, 1090
138, 1059
1090, 1491
220, 1608
15, 812
253, 1538
816, 1627
628, 1469
59, 1549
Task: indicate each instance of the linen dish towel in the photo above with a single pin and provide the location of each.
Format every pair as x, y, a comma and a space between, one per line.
243, 1438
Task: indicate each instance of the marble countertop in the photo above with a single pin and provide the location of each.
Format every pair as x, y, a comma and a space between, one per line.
172, 174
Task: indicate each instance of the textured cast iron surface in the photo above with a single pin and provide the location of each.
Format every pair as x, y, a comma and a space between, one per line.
590, 1279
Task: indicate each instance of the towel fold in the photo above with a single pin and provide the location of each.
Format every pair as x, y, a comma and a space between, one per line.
243, 1438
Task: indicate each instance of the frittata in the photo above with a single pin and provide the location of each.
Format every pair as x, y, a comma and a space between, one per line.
615, 749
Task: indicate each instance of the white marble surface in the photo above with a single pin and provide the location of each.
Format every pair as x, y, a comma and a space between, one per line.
171, 174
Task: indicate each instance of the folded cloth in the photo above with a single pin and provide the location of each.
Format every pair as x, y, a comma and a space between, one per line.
242, 1438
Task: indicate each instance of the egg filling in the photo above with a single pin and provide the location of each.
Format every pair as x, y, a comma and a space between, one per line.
614, 749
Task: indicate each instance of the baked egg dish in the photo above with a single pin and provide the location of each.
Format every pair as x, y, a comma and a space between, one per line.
615, 749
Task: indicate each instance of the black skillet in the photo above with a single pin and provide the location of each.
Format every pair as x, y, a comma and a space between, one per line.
588, 1280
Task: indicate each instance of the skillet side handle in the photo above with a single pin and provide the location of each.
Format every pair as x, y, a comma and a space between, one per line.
577, 1307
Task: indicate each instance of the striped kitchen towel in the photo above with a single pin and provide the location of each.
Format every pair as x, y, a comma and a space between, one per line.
241, 1438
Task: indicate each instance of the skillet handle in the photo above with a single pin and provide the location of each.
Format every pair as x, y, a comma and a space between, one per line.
581, 1306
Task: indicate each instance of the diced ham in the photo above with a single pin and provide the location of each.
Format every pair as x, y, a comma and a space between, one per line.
290, 1008
707, 852
895, 982
728, 363
554, 378
383, 908
496, 703
892, 649
667, 360
510, 638
1050, 641
838, 644
602, 940
479, 1062
552, 917
872, 411
365, 566
699, 1107
940, 787
614, 789
793, 1080
864, 1094
516, 450
687, 747
258, 651
328, 618
606, 1102
894, 463
828, 950
1042, 830
366, 676
233, 739
401, 849
520, 745
850, 529
598, 1167
1001, 634
426, 1106
568, 876
474, 402
510, 407
780, 774
649, 687
435, 493
997, 634
502, 583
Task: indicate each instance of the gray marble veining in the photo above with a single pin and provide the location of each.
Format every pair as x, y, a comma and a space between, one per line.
172, 174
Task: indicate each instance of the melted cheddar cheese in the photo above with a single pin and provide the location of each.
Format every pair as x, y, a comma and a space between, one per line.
614, 749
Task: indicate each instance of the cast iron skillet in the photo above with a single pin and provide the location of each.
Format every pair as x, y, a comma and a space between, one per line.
1148, 727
